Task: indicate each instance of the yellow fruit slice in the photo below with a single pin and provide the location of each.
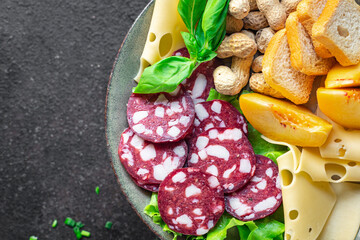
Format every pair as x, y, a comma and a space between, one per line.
284, 121
339, 76
341, 105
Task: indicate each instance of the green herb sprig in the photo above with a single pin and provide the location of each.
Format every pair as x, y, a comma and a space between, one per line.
206, 23
79, 233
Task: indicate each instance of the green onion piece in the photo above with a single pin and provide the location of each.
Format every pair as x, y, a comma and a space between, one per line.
108, 225
54, 224
69, 222
97, 190
79, 224
33, 238
77, 232
85, 233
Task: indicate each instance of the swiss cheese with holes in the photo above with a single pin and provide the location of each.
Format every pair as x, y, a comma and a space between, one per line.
328, 169
307, 204
345, 217
164, 35
341, 143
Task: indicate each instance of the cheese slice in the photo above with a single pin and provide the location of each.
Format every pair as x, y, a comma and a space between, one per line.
341, 143
328, 169
164, 35
307, 204
293, 149
344, 220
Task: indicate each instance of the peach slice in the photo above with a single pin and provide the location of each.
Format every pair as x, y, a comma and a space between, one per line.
341, 105
339, 76
284, 121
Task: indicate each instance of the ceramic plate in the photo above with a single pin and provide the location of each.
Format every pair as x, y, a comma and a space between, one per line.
119, 89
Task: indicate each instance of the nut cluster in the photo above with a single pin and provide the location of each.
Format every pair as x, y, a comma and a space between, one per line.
250, 24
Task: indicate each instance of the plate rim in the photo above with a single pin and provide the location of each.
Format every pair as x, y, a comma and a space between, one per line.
149, 226
106, 120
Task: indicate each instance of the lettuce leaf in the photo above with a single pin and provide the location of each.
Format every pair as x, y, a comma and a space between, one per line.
226, 222
152, 210
190, 237
263, 147
233, 100
267, 229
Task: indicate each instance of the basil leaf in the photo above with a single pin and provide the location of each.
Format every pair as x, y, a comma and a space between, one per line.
215, 43
191, 12
191, 44
166, 75
206, 55
206, 23
213, 22
200, 35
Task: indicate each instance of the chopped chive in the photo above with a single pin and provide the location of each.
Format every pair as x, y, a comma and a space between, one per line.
85, 233
108, 225
97, 190
69, 222
79, 224
33, 238
77, 232
54, 224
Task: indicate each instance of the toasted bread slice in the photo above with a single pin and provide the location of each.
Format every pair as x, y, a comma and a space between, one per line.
279, 73
310, 9
338, 29
303, 55
308, 12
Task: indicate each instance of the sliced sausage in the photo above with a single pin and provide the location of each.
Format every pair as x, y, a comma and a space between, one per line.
225, 153
190, 201
148, 187
161, 117
149, 163
260, 197
217, 113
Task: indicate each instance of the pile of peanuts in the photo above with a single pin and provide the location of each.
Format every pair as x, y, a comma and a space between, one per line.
250, 25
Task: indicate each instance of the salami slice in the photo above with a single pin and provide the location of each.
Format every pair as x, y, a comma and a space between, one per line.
217, 113
161, 117
225, 153
190, 201
149, 163
201, 80
260, 197
148, 187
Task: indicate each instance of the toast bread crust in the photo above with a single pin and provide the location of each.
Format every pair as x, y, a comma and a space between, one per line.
279, 73
303, 56
308, 12
338, 29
